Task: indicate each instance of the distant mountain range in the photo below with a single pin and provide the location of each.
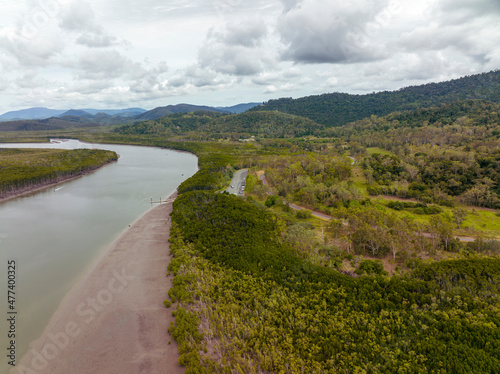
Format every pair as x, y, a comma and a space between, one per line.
107, 115
171, 109
43, 113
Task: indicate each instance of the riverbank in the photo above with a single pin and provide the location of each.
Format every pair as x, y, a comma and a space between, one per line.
114, 321
36, 187
46, 185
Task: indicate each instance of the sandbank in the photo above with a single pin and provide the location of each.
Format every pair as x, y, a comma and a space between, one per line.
114, 320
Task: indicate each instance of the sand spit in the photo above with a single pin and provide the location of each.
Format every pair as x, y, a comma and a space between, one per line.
114, 320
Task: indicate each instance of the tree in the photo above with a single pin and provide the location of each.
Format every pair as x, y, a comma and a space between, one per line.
441, 228
459, 215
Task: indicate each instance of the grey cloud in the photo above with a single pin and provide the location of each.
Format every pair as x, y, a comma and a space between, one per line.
460, 27
102, 65
96, 40
336, 32
153, 10
178, 81
143, 79
411, 67
4, 84
109, 65
234, 60
236, 50
78, 17
89, 87
463, 11
36, 51
289, 4
231, 9
248, 34
199, 77
272, 78
435, 38
196, 77
29, 80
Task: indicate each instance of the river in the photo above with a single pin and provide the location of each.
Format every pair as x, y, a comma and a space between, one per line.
54, 235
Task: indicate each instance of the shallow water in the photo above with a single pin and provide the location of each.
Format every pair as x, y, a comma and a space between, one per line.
55, 234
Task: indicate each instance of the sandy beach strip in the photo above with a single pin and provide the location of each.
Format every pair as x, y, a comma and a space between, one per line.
114, 321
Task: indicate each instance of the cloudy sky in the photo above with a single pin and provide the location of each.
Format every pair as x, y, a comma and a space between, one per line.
145, 53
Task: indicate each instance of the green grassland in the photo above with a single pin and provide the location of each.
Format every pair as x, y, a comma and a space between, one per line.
21, 169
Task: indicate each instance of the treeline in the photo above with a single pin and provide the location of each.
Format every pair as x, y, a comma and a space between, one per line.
21, 169
248, 301
337, 109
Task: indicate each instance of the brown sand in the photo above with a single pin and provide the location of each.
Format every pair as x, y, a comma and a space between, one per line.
114, 320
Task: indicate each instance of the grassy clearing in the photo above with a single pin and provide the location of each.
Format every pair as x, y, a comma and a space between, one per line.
484, 221
359, 180
370, 151
479, 221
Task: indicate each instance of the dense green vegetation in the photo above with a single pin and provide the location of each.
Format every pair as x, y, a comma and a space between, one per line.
202, 125
337, 109
436, 154
21, 169
250, 302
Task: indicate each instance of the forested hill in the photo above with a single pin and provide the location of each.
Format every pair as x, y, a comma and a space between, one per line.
264, 124
337, 109
451, 151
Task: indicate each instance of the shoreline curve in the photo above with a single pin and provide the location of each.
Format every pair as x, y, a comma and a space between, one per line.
113, 320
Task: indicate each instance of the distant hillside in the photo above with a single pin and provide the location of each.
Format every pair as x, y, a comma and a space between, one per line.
44, 113
52, 123
128, 112
76, 113
265, 124
113, 116
337, 109
172, 109
240, 108
31, 113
